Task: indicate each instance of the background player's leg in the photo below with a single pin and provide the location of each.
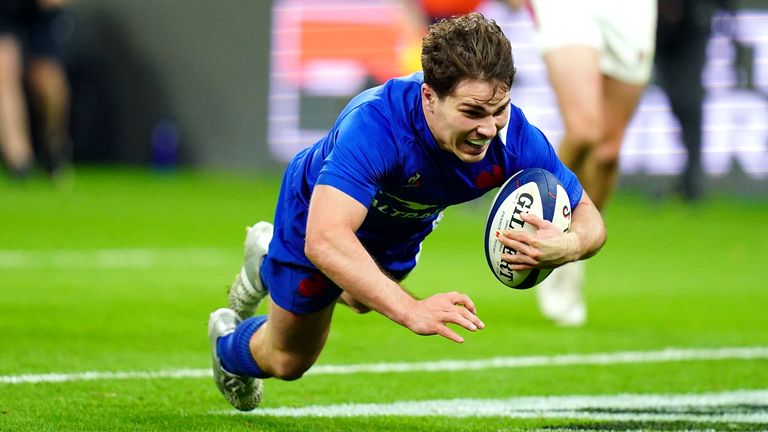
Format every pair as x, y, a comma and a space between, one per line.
49, 89
578, 83
601, 173
576, 79
14, 127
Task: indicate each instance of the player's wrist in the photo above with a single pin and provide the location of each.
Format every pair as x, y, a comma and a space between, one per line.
406, 311
574, 246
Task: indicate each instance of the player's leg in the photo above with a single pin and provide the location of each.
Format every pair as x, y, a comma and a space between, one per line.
628, 30
561, 299
49, 90
561, 295
242, 392
620, 100
577, 82
48, 85
14, 128
678, 72
571, 43
282, 344
288, 344
247, 290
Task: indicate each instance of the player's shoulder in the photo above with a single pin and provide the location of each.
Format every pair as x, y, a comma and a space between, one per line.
395, 95
388, 104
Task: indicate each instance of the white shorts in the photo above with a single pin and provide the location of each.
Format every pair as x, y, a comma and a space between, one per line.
622, 31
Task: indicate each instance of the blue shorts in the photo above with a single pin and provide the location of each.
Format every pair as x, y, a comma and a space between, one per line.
300, 289
42, 33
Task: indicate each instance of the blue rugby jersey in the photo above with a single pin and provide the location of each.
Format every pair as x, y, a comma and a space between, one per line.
381, 152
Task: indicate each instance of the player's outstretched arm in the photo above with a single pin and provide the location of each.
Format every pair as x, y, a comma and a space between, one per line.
332, 246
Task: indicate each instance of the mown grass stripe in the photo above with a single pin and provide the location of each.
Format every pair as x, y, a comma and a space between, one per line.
661, 356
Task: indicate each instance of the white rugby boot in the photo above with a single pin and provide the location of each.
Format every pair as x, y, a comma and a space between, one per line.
244, 393
561, 296
246, 291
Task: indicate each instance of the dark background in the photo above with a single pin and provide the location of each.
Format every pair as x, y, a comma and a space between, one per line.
201, 66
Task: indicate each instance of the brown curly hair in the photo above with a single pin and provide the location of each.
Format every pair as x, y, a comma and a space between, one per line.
467, 46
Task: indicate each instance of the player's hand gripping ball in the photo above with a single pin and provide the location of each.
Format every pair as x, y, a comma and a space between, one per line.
535, 191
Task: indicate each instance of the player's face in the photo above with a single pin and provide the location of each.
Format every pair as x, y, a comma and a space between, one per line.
465, 121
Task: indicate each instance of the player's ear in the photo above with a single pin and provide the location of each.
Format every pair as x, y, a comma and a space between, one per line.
428, 98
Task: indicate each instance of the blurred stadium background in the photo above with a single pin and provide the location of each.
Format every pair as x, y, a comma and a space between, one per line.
245, 84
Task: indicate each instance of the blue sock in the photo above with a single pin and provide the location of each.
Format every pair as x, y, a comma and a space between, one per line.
234, 351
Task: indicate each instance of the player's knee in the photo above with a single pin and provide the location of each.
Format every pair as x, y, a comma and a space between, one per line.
291, 367
584, 138
353, 303
607, 157
361, 308
584, 130
46, 77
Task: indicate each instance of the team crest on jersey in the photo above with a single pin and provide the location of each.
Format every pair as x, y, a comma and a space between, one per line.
490, 179
414, 180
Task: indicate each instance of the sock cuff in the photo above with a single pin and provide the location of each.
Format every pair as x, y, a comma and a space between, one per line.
242, 346
236, 356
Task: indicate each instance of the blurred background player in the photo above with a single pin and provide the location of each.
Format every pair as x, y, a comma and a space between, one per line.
683, 33
599, 56
31, 41
355, 207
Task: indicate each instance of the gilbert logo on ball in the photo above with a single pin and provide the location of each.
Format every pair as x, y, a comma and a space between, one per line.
535, 191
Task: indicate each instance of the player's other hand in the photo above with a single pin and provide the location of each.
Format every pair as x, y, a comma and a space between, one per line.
431, 315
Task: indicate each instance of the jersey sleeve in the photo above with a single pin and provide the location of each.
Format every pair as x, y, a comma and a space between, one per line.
364, 150
533, 150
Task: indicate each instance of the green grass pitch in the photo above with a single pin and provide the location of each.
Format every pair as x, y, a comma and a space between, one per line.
118, 274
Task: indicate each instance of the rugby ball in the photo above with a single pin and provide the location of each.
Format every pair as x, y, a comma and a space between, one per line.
535, 191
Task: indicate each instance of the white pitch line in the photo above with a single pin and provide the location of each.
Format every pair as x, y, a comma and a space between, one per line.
662, 356
666, 355
97, 376
712, 407
112, 258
